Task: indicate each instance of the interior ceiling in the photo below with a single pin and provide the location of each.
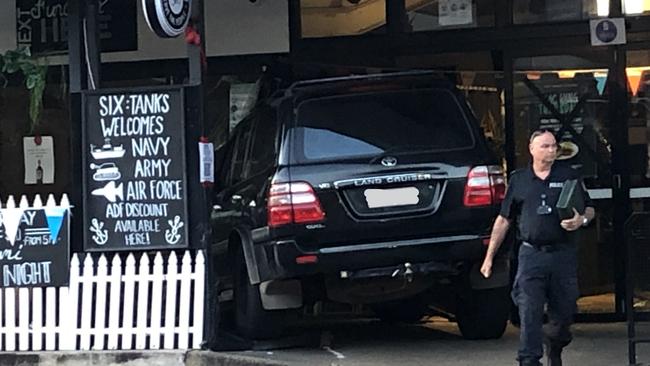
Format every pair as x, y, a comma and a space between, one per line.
328, 18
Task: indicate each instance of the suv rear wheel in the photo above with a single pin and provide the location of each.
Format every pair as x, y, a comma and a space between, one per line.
483, 314
251, 319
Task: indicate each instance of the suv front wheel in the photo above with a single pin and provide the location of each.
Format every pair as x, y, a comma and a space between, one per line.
483, 314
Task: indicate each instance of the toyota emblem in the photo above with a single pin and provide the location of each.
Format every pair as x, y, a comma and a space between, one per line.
389, 161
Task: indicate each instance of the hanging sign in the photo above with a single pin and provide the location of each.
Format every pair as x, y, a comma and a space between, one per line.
167, 18
135, 183
206, 159
605, 32
39, 159
34, 244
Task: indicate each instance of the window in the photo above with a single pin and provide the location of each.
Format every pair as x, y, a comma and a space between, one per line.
636, 7
341, 18
222, 159
239, 153
262, 143
545, 11
445, 14
363, 125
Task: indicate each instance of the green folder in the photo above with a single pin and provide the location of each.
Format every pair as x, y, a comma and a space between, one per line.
571, 197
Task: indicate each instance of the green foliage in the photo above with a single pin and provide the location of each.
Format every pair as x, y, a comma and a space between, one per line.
33, 72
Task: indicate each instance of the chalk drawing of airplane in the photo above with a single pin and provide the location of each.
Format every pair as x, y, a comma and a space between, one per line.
110, 191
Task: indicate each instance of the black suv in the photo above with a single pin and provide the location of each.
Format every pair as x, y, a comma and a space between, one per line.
376, 190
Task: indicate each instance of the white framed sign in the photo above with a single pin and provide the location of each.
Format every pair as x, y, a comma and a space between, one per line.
454, 12
167, 18
39, 159
605, 32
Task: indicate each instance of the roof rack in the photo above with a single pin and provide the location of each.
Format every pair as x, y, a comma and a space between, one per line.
374, 77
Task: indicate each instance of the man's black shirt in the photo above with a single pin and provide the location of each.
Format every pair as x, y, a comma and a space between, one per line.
524, 203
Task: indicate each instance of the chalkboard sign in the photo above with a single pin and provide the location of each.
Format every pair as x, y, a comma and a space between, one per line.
34, 247
134, 170
42, 25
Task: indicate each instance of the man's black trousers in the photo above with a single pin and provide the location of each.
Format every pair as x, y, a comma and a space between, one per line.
545, 276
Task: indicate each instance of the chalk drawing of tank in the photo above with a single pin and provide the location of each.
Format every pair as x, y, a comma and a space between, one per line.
105, 171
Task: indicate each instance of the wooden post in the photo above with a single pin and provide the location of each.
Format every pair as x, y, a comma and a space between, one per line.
199, 197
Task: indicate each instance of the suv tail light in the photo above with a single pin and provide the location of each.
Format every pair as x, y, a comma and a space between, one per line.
486, 185
293, 203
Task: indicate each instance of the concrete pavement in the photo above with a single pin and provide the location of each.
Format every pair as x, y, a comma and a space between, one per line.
439, 343
370, 342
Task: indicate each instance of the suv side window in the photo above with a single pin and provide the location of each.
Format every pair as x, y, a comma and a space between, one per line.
239, 155
223, 166
262, 142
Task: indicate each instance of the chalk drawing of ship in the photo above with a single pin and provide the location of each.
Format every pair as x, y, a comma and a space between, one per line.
107, 151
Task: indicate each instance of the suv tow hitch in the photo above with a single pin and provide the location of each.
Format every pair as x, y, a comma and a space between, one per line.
406, 270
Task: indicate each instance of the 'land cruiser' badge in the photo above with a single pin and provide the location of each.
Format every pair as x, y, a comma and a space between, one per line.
167, 18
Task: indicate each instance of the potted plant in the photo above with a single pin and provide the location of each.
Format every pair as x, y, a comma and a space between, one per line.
34, 73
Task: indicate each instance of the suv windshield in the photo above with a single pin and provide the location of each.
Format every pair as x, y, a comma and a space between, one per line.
367, 125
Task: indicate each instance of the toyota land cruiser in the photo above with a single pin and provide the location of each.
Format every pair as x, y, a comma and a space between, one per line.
376, 190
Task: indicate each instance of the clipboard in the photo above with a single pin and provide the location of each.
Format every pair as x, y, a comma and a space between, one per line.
570, 197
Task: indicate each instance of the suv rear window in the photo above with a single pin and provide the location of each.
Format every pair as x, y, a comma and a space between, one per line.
361, 125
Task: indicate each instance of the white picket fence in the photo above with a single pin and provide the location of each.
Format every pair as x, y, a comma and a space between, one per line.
117, 307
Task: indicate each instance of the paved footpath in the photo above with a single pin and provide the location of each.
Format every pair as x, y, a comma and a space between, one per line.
438, 343
370, 343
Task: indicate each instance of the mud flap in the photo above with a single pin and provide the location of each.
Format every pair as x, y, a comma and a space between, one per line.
284, 294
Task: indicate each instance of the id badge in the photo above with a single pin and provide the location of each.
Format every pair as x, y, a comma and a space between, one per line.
543, 208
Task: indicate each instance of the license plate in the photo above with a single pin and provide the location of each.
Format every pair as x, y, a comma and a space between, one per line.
377, 198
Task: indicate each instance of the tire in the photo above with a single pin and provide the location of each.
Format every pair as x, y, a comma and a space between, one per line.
251, 320
408, 311
483, 314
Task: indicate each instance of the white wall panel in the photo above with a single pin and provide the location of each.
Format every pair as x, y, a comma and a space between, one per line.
240, 27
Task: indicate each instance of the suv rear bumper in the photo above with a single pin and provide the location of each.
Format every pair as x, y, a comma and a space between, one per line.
277, 260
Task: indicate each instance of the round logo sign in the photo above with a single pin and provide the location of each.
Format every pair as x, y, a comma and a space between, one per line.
167, 18
606, 31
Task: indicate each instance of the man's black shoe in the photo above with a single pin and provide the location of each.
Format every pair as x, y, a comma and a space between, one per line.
553, 353
529, 363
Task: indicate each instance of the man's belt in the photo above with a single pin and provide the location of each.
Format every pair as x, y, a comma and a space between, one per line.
546, 247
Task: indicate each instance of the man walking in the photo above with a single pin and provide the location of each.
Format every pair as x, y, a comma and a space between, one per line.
547, 272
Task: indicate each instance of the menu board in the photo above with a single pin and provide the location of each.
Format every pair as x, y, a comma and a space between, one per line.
135, 184
34, 246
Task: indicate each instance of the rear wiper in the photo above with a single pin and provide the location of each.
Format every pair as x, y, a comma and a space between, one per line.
400, 150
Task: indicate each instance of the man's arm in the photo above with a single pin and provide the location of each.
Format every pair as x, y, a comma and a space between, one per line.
499, 231
577, 221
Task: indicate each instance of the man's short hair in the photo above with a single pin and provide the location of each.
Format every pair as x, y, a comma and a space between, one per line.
539, 132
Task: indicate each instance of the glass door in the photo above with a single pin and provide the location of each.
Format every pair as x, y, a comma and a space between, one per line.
638, 78
569, 95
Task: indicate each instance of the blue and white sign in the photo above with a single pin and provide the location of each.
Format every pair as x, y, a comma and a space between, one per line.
605, 32
34, 243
